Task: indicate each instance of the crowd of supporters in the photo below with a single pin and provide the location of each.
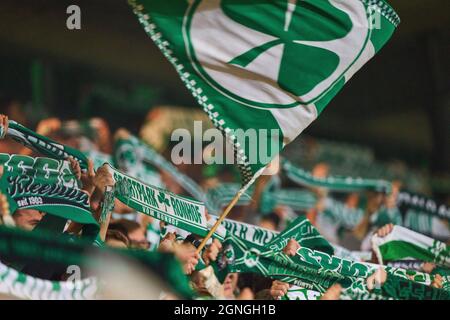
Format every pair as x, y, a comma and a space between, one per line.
347, 220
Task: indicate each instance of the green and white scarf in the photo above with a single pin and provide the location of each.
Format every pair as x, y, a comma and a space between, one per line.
220, 196
44, 184
44, 145
406, 200
335, 183
99, 158
315, 270
342, 215
299, 293
425, 223
296, 199
48, 170
150, 156
403, 243
130, 157
181, 212
304, 233
21, 286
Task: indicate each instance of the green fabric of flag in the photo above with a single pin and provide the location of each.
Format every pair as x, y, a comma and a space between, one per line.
270, 65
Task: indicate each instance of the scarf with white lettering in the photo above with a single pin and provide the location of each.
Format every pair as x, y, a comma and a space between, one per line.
43, 145
423, 204
314, 270
46, 185
181, 212
148, 155
336, 183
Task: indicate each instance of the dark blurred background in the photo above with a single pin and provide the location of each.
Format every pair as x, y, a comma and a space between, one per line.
398, 105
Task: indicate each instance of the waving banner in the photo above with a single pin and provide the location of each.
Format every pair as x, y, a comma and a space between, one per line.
254, 82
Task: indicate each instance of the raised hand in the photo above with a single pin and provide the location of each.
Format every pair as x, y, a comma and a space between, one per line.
333, 292
291, 248
211, 252
4, 125
377, 279
103, 178
385, 230
278, 289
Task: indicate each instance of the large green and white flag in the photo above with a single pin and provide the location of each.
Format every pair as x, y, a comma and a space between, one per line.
265, 65
403, 243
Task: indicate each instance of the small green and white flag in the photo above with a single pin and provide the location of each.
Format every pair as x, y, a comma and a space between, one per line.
403, 244
266, 65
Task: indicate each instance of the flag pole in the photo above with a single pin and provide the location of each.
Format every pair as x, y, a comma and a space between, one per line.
221, 218
228, 209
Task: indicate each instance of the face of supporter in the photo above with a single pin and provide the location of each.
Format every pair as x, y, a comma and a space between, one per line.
138, 239
229, 285
27, 218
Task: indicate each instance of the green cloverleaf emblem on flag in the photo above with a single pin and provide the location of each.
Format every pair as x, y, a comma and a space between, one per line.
270, 66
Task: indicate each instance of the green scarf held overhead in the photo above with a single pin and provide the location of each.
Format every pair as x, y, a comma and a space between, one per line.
314, 270
42, 169
296, 199
98, 158
407, 200
151, 157
43, 145
221, 195
23, 192
181, 212
130, 157
403, 243
20, 246
336, 183
304, 233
